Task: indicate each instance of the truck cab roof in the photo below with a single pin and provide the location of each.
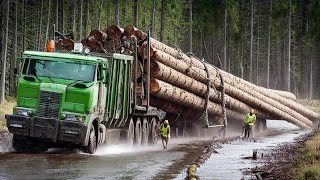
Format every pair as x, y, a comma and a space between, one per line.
93, 57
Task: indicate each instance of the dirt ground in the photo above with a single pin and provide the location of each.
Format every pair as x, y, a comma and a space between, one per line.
277, 162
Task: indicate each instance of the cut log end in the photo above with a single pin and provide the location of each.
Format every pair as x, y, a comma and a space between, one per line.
154, 85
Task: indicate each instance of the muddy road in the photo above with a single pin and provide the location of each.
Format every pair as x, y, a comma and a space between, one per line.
132, 162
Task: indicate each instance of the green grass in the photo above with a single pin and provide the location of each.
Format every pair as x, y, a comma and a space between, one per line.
6, 108
308, 164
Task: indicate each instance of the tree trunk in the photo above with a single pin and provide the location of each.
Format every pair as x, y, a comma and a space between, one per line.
225, 37
257, 57
15, 52
269, 39
48, 24
289, 48
73, 5
135, 13
162, 18
116, 12
57, 15
99, 15
86, 23
25, 25
190, 25
184, 98
40, 27
153, 7
251, 40
263, 103
4, 53
80, 20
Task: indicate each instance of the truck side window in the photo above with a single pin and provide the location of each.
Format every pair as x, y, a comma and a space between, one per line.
25, 66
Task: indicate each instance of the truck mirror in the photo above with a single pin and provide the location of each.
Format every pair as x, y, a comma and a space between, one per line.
15, 71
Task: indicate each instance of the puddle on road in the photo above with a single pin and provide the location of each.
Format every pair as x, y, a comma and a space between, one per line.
228, 163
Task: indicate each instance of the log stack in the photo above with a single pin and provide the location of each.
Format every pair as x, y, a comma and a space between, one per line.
180, 80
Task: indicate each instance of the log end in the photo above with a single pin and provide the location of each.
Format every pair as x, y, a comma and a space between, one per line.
154, 86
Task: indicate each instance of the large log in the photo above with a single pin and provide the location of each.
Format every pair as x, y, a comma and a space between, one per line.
166, 106
196, 63
114, 34
171, 76
200, 75
284, 94
184, 98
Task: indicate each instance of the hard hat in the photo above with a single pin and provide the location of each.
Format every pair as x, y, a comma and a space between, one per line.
252, 111
166, 122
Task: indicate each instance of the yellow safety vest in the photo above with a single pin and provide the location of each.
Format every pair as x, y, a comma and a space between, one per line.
250, 119
164, 130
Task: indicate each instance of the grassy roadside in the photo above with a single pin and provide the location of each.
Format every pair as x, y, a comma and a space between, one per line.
6, 108
307, 166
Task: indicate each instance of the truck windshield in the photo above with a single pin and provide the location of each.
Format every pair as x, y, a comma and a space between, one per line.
57, 69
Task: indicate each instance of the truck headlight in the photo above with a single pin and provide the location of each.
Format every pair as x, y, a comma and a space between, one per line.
71, 117
23, 112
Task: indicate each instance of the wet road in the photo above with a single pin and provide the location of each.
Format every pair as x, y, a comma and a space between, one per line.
109, 162
229, 161
131, 162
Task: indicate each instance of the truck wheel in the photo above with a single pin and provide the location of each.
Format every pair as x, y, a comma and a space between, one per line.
92, 144
145, 131
138, 133
102, 133
130, 137
154, 131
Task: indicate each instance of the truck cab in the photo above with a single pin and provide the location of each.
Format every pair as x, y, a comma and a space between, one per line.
66, 99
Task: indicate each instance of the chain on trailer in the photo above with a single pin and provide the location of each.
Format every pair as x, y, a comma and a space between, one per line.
221, 91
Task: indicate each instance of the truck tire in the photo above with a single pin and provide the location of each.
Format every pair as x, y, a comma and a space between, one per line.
92, 144
154, 131
102, 133
130, 137
138, 132
145, 131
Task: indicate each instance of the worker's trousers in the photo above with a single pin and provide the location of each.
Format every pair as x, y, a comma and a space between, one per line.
248, 131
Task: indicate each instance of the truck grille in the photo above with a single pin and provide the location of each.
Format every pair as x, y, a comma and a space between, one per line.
49, 104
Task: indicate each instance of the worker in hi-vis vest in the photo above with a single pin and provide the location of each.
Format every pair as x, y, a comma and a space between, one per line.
165, 133
249, 123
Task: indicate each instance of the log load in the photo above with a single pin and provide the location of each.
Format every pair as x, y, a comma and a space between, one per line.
180, 81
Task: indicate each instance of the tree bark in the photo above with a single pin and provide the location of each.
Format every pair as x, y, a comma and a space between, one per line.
184, 98
57, 15
135, 13
40, 26
153, 7
4, 53
80, 20
190, 25
116, 12
15, 52
162, 17
48, 24
225, 37
269, 42
100, 10
251, 41
256, 99
73, 5
289, 49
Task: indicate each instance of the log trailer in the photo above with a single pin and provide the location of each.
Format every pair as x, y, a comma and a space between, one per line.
80, 100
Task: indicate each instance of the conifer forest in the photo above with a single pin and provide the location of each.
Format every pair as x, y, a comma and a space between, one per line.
271, 43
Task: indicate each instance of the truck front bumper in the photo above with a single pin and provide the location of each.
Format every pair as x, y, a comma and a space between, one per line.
47, 128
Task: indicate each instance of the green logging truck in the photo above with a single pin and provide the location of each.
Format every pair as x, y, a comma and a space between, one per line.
81, 100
